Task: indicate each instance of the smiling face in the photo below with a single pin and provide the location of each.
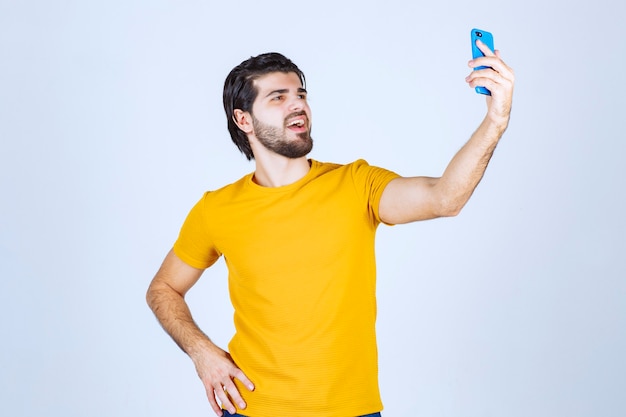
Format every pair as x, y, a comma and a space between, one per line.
281, 117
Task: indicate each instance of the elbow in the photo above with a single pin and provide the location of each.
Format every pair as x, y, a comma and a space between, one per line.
452, 213
450, 208
152, 295
449, 212
149, 296
451, 203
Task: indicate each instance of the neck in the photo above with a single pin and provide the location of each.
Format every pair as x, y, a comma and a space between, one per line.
274, 170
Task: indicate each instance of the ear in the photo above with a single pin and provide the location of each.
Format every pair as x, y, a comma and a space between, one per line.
243, 120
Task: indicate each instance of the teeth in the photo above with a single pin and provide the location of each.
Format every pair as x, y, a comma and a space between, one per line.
297, 123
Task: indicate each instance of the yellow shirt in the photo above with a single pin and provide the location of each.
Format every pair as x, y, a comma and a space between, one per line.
302, 282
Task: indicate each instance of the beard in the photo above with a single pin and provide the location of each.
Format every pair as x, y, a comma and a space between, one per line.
275, 139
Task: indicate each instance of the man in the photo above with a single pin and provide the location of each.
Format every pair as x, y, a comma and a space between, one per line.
298, 239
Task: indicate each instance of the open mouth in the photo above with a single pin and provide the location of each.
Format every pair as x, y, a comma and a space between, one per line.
297, 123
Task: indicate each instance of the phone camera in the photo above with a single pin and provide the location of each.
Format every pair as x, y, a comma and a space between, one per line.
479, 34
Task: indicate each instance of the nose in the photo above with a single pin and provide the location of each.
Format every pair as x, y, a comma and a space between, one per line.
296, 103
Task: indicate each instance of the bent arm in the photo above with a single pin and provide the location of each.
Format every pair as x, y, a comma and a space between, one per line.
420, 198
408, 199
166, 298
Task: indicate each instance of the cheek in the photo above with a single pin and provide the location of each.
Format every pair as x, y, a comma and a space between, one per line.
307, 110
269, 117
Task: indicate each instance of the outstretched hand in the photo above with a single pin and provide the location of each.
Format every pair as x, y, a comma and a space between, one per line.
217, 372
498, 78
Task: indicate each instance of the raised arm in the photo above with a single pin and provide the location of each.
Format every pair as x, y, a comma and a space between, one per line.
215, 367
410, 199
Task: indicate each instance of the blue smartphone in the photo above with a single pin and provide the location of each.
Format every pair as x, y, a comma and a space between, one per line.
486, 38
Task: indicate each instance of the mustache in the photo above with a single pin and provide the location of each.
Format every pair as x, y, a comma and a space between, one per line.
296, 114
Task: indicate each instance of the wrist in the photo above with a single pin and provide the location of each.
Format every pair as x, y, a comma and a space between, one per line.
496, 123
499, 116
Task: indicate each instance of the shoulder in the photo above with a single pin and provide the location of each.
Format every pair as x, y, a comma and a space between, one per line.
357, 168
324, 167
362, 168
228, 190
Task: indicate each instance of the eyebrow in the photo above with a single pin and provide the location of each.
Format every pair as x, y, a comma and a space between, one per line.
285, 90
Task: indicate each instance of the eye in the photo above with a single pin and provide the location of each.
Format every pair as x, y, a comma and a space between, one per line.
277, 98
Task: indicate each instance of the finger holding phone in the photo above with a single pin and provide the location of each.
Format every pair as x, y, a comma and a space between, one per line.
491, 76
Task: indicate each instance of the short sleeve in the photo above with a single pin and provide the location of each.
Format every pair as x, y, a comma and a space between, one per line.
370, 182
194, 244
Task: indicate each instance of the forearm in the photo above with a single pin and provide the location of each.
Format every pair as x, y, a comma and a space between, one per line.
215, 367
174, 315
467, 167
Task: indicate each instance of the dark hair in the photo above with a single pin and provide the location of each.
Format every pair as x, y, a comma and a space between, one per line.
240, 93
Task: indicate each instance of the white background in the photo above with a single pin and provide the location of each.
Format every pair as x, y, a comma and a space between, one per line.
111, 127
